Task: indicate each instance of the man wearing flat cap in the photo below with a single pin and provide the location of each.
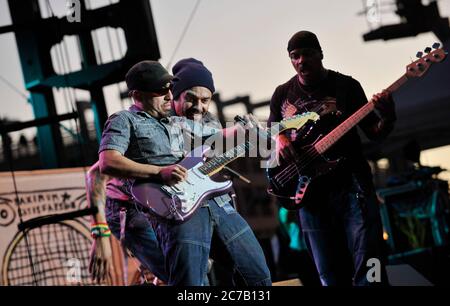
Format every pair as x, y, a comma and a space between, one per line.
146, 80
341, 211
145, 142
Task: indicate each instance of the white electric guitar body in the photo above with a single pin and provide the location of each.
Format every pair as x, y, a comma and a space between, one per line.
178, 202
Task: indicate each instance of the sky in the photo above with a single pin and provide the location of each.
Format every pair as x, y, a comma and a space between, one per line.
243, 43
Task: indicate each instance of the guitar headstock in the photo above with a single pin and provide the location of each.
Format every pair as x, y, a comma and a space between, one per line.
298, 121
420, 66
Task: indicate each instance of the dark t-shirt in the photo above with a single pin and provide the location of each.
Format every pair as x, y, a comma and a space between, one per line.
336, 93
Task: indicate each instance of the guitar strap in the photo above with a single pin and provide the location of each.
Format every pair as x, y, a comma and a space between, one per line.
341, 91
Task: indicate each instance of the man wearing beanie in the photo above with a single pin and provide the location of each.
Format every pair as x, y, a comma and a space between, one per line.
192, 90
341, 211
144, 142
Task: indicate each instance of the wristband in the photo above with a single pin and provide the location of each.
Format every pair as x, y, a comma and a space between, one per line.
100, 230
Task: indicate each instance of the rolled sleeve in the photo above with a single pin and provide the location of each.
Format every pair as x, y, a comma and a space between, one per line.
116, 135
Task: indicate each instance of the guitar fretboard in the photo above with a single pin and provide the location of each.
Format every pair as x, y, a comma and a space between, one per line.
325, 143
218, 162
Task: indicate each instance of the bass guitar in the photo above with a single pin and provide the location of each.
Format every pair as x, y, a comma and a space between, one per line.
289, 181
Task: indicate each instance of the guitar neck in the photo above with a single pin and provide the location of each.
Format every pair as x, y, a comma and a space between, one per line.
217, 163
325, 143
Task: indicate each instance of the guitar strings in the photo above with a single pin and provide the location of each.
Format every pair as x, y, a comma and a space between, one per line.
293, 166
223, 159
287, 174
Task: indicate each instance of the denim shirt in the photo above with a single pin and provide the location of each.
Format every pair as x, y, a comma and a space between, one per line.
147, 140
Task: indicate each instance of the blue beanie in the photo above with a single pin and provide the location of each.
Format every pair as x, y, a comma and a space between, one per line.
189, 73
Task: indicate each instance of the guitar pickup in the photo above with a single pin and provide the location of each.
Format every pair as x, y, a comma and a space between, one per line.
172, 190
177, 189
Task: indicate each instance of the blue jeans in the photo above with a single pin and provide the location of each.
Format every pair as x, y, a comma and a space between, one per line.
349, 214
140, 238
186, 246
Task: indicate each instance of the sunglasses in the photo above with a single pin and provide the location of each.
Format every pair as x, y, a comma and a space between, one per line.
162, 91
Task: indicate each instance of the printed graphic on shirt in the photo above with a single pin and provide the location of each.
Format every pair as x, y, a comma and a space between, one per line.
321, 106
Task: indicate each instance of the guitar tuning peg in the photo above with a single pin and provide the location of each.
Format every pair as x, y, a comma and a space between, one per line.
427, 50
436, 45
419, 54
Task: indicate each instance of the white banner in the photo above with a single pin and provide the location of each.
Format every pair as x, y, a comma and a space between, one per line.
52, 254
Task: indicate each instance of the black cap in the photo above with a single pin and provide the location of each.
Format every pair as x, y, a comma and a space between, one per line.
148, 76
304, 39
190, 72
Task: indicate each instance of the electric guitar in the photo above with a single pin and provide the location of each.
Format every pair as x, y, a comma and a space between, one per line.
179, 202
289, 181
